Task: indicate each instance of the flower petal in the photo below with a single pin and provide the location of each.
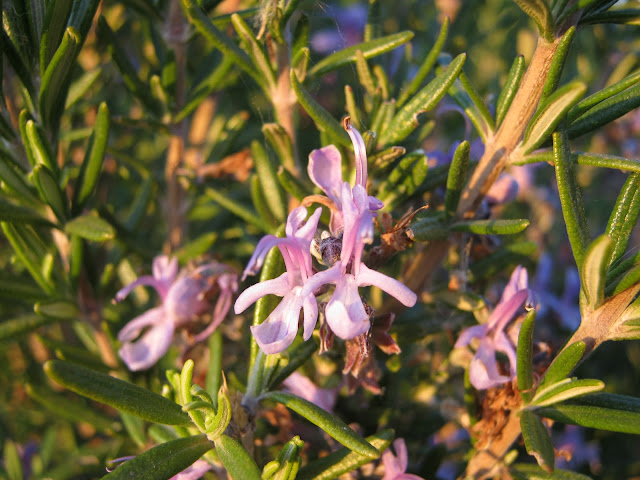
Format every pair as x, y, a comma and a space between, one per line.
483, 371
468, 334
165, 268
277, 332
505, 311
325, 170
265, 244
518, 281
310, 307
146, 280
149, 318
148, 349
345, 312
277, 286
393, 287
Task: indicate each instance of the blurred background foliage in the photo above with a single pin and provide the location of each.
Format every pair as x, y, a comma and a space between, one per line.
128, 62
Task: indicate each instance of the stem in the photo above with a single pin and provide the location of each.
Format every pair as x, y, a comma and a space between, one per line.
176, 38
499, 147
284, 99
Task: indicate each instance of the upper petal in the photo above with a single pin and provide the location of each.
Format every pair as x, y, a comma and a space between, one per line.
325, 170
518, 281
265, 244
165, 268
147, 280
277, 286
504, 311
310, 307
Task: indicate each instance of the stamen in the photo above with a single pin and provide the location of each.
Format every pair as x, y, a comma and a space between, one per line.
360, 152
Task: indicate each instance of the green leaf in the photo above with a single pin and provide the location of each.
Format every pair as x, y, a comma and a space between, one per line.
369, 49
266, 171
16, 59
524, 353
624, 16
17, 214
238, 209
607, 161
593, 270
12, 460
605, 111
491, 227
550, 113
49, 190
344, 460
58, 309
557, 64
56, 78
570, 198
563, 364
197, 247
134, 427
54, 26
505, 258
564, 390
380, 161
404, 179
13, 181
624, 217
592, 100
218, 39
130, 77
280, 141
297, 357
91, 228
333, 426
364, 73
266, 75
81, 17
534, 472
260, 202
624, 281
211, 83
22, 325
427, 64
22, 239
71, 410
92, 163
39, 147
294, 186
539, 11
236, 459
117, 393
466, 95
406, 120
509, 89
81, 86
537, 440
604, 411
288, 462
427, 230
323, 119
163, 461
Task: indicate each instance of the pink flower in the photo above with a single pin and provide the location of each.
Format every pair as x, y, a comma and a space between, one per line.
395, 466
345, 312
194, 472
277, 332
303, 387
483, 371
183, 297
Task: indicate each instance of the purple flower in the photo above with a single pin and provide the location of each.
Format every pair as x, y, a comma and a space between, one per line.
194, 472
483, 371
395, 466
574, 451
279, 329
565, 307
303, 387
345, 312
183, 297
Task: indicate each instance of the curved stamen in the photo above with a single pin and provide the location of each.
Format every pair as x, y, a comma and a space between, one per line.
360, 151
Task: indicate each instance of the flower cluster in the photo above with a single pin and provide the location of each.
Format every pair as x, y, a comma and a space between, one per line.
184, 296
341, 249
